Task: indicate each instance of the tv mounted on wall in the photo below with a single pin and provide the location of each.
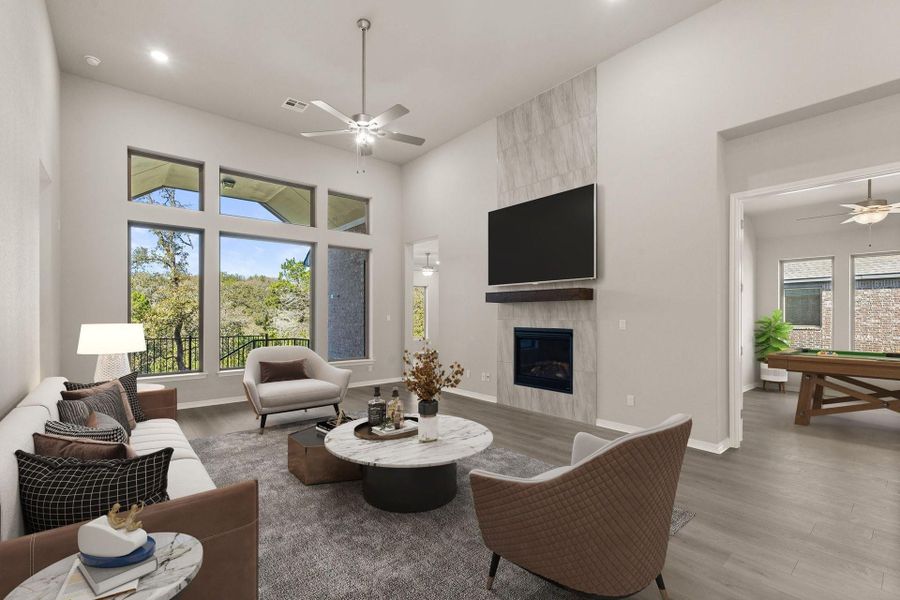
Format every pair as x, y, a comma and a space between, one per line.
549, 239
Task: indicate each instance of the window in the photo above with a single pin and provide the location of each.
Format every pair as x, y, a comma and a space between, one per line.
876, 302
164, 181
348, 272
262, 198
806, 287
348, 213
264, 296
420, 305
164, 294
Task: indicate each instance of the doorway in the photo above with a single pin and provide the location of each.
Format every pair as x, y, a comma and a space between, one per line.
422, 319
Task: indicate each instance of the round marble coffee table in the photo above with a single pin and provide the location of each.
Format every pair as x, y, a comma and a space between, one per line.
405, 475
179, 557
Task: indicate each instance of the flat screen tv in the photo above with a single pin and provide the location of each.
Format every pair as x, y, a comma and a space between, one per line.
549, 239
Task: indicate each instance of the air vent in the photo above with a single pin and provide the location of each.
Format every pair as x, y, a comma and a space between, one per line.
294, 105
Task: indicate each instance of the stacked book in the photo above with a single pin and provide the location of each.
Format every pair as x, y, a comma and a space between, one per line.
94, 583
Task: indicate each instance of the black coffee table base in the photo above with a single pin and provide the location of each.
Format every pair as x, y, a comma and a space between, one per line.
409, 490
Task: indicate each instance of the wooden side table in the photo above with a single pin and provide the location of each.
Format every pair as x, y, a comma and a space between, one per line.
311, 463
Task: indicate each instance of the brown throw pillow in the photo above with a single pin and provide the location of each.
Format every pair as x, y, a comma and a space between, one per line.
287, 370
109, 385
61, 446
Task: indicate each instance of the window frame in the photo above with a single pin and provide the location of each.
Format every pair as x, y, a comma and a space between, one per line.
368, 317
425, 308
201, 284
312, 287
781, 298
364, 199
223, 171
200, 165
853, 288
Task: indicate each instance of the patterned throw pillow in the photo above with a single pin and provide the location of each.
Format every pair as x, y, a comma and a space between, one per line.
93, 391
75, 413
129, 382
55, 492
107, 430
106, 401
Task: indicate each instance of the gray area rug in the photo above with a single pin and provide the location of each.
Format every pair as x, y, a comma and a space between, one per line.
324, 542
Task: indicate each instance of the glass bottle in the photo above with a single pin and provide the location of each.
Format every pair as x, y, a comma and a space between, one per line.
395, 409
377, 409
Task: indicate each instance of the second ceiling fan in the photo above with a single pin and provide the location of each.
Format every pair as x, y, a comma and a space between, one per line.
366, 128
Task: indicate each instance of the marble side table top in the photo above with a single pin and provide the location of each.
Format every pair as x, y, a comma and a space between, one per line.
457, 439
178, 554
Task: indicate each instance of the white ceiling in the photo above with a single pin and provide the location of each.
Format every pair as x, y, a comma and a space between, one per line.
784, 215
453, 64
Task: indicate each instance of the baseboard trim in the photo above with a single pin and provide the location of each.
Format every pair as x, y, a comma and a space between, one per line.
696, 444
473, 395
211, 402
372, 382
751, 386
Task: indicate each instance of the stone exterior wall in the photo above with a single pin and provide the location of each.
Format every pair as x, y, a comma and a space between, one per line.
347, 272
806, 336
876, 323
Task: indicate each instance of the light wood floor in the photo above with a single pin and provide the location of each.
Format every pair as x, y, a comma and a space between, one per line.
795, 513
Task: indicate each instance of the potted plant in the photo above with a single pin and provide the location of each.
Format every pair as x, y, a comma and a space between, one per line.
772, 334
424, 375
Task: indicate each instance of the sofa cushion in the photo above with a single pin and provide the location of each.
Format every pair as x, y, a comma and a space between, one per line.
108, 402
281, 394
46, 394
188, 476
150, 436
73, 413
82, 393
15, 434
61, 491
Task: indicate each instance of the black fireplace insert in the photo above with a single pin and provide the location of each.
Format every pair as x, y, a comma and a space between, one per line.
543, 358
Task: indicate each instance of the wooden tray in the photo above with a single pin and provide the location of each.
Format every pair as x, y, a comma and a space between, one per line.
364, 432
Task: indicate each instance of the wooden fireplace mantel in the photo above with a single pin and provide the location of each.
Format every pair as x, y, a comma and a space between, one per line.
557, 295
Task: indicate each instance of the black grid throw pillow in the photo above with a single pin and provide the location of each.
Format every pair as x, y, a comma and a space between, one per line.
129, 382
108, 430
108, 402
60, 491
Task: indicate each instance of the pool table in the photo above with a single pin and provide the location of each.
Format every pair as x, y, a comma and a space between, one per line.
831, 369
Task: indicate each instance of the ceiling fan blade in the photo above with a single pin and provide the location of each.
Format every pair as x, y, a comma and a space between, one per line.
821, 217
852, 206
402, 137
850, 220
391, 114
333, 111
328, 132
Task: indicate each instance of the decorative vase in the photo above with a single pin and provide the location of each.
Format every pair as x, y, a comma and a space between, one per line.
428, 420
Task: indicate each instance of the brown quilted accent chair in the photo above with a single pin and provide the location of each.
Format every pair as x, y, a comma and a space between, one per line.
599, 526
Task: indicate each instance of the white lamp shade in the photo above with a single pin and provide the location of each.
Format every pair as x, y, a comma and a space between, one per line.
111, 338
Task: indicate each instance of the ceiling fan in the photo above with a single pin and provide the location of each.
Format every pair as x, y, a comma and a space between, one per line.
865, 212
428, 270
363, 126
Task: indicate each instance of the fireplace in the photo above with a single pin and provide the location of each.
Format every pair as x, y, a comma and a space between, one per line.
543, 359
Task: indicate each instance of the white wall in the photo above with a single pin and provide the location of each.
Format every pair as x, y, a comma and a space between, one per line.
447, 194
662, 106
29, 199
100, 122
749, 368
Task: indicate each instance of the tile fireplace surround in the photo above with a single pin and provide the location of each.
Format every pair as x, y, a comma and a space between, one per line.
545, 146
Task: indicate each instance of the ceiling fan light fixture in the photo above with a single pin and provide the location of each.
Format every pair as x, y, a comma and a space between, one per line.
364, 137
870, 218
427, 271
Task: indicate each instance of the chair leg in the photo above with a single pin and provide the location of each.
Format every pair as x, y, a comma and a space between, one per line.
495, 562
662, 587
262, 423
337, 409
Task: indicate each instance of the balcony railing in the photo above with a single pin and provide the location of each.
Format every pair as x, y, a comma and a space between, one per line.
165, 355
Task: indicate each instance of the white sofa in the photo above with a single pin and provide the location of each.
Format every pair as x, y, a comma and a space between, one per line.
187, 474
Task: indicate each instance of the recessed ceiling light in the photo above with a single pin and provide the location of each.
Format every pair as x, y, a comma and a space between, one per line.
92, 60
159, 56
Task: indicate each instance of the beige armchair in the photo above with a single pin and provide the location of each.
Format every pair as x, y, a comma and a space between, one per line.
599, 526
325, 384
